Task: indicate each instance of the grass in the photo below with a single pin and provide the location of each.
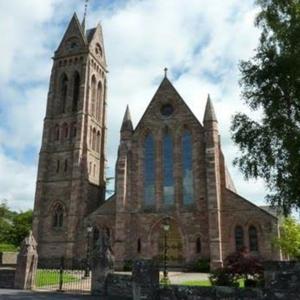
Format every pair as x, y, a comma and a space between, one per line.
47, 277
8, 248
208, 283
197, 283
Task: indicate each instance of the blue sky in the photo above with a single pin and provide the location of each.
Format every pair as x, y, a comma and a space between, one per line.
201, 43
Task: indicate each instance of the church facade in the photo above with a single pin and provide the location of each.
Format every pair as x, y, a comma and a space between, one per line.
170, 169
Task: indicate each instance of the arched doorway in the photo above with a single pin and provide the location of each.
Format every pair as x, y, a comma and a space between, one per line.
174, 240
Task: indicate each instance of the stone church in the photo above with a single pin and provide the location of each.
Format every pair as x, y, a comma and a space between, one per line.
170, 168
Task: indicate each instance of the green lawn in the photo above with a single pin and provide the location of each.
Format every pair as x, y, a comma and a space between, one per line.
51, 277
197, 283
208, 283
8, 248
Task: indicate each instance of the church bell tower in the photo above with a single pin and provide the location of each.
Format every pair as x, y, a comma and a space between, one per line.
71, 180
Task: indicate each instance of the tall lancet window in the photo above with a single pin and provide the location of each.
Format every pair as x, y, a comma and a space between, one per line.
187, 169
99, 101
168, 183
76, 86
149, 171
64, 92
93, 87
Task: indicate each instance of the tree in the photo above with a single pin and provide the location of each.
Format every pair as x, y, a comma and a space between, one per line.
289, 240
20, 227
270, 81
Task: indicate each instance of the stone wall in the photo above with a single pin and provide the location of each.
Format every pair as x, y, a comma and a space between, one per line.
119, 285
8, 258
177, 292
7, 278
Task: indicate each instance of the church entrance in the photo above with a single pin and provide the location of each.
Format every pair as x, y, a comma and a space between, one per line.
172, 240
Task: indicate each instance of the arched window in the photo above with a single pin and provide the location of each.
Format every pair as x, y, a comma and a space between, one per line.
98, 141
58, 216
74, 130
94, 170
198, 245
239, 238
149, 171
98, 49
107, 232
91, 136
168, 181
95, 236
187, 168
139, 246
63, 92
65, 131
94, 139
76, 88
57, 132
99, 100
253, 240
66, 165
57, 166
93, 88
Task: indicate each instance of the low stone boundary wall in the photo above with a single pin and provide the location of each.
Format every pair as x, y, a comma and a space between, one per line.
8, 259
224, 293
7, 278
119, 285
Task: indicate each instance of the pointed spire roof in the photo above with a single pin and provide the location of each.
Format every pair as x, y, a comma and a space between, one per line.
127, 123
74, 29
209, 114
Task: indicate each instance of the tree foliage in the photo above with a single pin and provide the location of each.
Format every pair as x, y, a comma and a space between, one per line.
238, 265
289, 240
14, 227
270, 81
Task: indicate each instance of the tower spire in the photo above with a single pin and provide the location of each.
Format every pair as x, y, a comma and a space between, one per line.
84, 15
209, 114
127, 123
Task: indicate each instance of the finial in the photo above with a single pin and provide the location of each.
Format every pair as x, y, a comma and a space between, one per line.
166, 72
85, 13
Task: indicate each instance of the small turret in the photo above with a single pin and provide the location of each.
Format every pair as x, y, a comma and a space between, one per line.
210, 123
127, 127
209, 115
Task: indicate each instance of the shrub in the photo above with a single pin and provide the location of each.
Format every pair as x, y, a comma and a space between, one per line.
165, 281
242, 265
128, 265
201, 266
222, 277
239, 265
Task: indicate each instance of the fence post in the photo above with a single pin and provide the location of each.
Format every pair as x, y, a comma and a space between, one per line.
26, 264
145, 280
61, 274
102, 265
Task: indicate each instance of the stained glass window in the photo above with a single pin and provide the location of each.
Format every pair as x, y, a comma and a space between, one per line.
239, 238
168, 183
187, 168
149, 171
253, 241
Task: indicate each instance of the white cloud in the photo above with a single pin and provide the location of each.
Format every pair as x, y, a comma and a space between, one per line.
201, 43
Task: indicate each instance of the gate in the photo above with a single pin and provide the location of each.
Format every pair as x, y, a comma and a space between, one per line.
63, 276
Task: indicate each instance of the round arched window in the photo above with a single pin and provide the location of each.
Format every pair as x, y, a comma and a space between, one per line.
167, 110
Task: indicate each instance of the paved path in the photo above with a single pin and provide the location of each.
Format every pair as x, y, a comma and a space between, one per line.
179, 277
22, 295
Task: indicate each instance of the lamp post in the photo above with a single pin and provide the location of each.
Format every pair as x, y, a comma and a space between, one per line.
89, 230
166, 227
